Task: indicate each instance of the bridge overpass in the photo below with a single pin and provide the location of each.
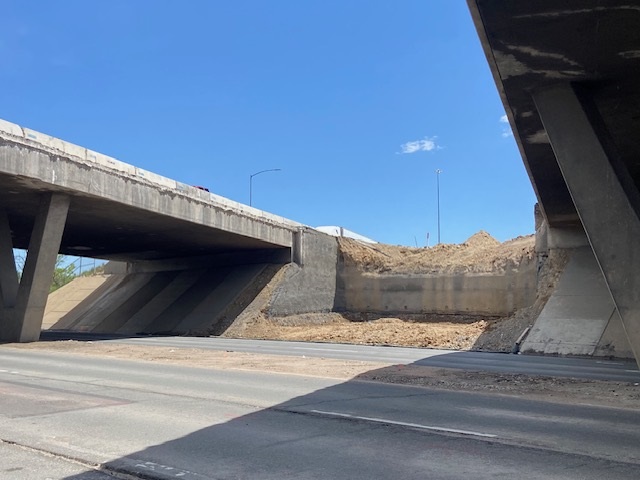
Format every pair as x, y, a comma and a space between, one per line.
56, 197
568, 74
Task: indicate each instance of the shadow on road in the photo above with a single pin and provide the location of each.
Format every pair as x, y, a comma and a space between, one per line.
363, 430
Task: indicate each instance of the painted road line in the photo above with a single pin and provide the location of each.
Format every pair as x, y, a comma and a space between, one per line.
405, 424
326, 349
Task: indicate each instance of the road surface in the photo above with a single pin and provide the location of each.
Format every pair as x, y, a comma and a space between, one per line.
152, 420
586, 368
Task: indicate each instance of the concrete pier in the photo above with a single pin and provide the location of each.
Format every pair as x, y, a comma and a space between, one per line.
24, 306
568, 74
609, 213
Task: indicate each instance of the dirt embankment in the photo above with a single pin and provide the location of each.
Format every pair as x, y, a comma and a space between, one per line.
481, 253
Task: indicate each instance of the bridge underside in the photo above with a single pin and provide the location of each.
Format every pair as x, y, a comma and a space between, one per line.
569, 77
59, 198
99, 228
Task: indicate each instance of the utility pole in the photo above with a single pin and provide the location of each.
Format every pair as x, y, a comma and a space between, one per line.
438, 172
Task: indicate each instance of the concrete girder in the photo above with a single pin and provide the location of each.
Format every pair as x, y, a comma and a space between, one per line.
23, 322
603, 194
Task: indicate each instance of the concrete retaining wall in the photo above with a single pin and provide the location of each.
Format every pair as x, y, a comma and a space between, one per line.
470, 293
309, 284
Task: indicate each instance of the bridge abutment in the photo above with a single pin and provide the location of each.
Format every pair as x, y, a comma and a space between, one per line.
604, 195
24, 303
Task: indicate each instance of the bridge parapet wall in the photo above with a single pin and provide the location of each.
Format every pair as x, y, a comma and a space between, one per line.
62, 166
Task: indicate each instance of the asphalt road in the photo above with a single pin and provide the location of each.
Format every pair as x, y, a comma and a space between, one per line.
587, 368
19, 463
166, 421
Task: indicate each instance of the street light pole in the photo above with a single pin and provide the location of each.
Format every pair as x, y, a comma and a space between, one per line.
438, 172
251, 182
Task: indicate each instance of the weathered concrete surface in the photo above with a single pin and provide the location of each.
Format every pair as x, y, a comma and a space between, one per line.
111, 210
579, 318
474, 294
119, 211
67, 298
23, 322
195, 296
610, 213
580, 310
310, 284
614, 342
160, 302
569, 77
535, 44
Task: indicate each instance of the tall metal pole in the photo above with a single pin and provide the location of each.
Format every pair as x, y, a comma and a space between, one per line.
438, 172
251, 182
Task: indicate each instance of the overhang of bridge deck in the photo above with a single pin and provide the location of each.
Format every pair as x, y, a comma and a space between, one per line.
99, 228
116, 215
593, 44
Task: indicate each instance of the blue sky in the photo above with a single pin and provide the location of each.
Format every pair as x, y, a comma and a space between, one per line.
358, 102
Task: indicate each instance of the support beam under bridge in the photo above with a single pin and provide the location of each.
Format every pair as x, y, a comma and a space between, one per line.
23, 304
604, 194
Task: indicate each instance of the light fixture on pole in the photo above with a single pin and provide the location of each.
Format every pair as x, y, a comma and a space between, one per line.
251, 182
438, 172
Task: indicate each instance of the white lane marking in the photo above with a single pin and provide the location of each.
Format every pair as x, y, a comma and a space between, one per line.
632, 371
609, 363
326, 349
167, 470
406, 424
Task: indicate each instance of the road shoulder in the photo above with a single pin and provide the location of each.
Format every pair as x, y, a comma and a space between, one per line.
616, 394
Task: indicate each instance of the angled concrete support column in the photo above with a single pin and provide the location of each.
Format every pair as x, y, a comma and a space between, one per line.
33, 291
604, 195
8, 272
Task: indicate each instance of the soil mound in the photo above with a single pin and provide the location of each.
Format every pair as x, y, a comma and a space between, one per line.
480, 253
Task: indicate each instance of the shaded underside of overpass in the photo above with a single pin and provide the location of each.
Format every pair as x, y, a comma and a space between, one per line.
101, 228
593, 44
569, 76
119, 212
56, 197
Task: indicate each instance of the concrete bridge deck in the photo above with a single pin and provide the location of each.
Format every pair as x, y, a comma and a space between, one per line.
56, 197
121, 212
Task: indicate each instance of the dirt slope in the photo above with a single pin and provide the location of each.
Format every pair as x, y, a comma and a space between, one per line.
481, 253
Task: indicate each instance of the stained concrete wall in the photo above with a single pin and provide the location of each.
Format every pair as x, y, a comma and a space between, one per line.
177, 302
193, 296
469, 293
580, 317
309, 284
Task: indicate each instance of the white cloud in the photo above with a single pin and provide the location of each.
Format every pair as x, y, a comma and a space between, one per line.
506, 128
427, 144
